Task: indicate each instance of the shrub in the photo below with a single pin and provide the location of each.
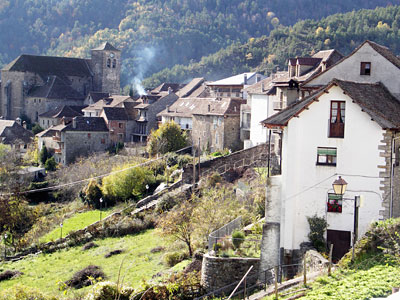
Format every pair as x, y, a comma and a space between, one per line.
237, 239
43, 155
213, 179
9, 274
89, 245
109, 291
114, 252
127, 184
19, 292
85, 277
318, 226
36, 129
173, 258
168, 138
50, 164
157, 249
92, 194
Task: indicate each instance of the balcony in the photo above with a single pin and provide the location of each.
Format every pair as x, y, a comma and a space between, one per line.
58, 151
56, 138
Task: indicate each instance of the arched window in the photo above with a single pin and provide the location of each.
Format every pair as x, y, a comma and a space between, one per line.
114, 63
108, 63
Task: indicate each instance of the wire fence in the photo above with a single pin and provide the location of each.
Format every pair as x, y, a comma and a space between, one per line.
226, 230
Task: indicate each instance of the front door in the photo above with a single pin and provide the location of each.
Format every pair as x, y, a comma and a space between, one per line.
341, 241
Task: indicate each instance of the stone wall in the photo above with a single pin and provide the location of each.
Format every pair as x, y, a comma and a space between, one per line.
218, 272
385, 175
254, 156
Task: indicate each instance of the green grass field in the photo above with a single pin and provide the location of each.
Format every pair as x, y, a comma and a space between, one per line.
46, 270
76, 222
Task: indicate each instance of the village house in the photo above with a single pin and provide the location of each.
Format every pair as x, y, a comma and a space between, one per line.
233, 86
147, 114
32, 85
274, 93
347, 127
56, 116
12, 133
82, 136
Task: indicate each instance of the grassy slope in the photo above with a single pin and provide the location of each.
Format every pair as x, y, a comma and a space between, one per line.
46, 270
78, 221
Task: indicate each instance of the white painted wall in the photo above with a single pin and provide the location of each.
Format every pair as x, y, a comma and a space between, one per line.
349, 69
261, 108
185, 122
357, 155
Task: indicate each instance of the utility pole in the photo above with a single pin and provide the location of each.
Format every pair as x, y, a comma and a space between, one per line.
355, 230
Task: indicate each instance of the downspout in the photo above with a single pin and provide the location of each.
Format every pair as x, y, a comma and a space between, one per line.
391, 176
269, 152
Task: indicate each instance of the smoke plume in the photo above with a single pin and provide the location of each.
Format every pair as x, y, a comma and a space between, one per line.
145, 58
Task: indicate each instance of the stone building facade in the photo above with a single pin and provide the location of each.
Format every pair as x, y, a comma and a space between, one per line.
32, 85
84, 135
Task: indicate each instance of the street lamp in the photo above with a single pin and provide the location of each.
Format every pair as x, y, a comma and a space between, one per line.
101, 202
61, 226
339, 186
5, 247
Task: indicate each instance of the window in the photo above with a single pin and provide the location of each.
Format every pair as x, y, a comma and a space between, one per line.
337, 119
326, 156
88, 135
365, 68
108, 63
114, 63
334, 203
121, 125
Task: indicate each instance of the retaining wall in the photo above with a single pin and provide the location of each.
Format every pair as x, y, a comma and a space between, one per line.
251, 157
218, 272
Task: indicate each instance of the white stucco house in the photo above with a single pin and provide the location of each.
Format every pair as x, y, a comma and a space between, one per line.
340, 130
347, 127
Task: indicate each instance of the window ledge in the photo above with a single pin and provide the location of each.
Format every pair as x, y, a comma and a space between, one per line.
326, 165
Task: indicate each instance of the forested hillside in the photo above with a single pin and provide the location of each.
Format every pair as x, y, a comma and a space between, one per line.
153, 34
343, 32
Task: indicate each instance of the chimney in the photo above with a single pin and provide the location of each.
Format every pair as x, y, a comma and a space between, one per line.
24, 124
74, 122
18, 120
262, 87
168, 108
323, 66
245, 79
258, 77
169, 90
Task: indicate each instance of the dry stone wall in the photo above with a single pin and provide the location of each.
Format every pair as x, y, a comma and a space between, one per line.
218, 272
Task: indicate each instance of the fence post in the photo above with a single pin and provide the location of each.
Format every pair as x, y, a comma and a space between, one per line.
330, 260
305, 269
245, 285
276, 282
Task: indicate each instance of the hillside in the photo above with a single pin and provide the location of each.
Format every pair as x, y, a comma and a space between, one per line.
341, 31
153, 34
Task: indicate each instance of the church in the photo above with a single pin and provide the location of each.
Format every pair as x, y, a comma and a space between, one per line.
31, 84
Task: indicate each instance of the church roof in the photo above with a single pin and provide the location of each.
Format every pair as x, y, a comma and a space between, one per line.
50, 65
106, 46
54, 88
